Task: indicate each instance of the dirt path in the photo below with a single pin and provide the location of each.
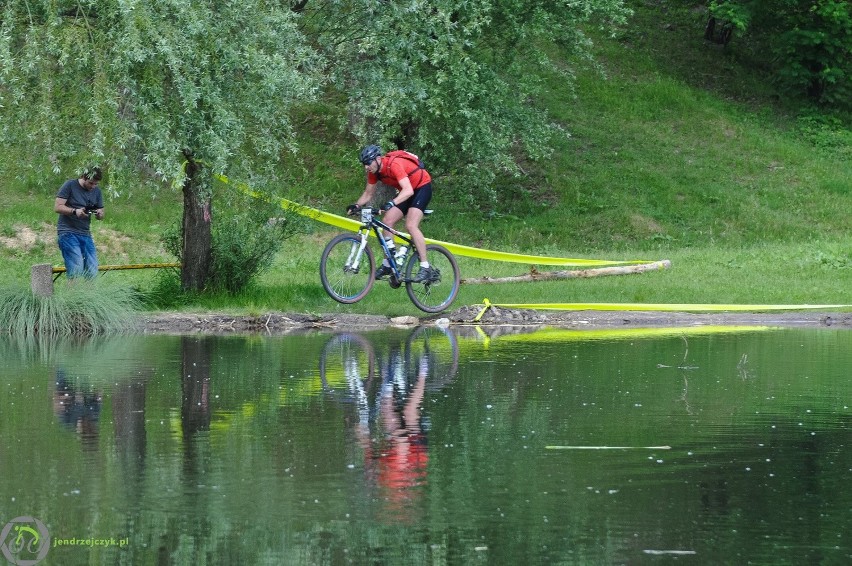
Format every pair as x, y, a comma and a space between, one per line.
283, 323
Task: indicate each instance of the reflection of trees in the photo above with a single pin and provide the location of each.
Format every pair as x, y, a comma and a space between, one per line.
128, 408
195, 386
187, 536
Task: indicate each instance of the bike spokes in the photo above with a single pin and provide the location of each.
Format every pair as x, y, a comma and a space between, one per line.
346, 269
439, 290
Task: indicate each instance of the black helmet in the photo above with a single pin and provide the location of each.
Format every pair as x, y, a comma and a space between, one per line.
369, 153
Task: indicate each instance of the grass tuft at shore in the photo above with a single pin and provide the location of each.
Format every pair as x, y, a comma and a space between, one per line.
85, 308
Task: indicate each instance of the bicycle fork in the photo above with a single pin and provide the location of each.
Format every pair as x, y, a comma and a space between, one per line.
356, 254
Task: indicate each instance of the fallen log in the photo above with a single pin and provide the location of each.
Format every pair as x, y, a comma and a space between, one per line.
535, 275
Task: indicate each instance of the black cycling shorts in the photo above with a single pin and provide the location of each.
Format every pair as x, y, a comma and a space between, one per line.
420, 199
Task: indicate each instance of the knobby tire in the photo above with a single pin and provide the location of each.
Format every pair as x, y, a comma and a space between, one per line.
433, 297
342, 285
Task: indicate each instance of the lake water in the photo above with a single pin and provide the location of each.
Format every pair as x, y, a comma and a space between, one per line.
399, 446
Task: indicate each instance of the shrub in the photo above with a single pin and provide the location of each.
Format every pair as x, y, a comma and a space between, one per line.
246, 235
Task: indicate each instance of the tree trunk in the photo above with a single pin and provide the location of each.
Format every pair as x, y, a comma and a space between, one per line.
196, 231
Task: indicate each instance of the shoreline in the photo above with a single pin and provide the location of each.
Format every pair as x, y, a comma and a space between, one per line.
278, 323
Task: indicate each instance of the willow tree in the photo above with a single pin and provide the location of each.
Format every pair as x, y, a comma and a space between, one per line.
457, 82
170, 90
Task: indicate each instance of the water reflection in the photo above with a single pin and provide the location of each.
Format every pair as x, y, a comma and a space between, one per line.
429, 445
78, 407
129, 423
196, 358
386, 385
81, 387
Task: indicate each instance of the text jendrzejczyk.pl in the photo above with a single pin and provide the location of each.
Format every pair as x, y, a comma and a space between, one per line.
112, 541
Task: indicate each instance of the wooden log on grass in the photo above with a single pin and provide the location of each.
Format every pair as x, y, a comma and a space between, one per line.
535, 275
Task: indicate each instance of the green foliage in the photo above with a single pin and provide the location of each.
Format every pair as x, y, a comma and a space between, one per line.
246, 236
146, 88
676, 152
84, 308
827, 133
454, 81
809, 43
136, 85
166, 292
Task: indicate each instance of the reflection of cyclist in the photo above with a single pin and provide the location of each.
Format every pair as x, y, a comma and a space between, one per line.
405, 462
389, 428
402, 459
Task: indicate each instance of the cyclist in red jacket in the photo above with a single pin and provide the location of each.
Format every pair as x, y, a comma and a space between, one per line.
404, 172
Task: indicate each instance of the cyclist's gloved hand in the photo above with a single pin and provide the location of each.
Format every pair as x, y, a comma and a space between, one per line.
353, 209
388, 205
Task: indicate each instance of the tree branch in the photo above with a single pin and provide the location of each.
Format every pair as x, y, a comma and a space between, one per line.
535, 275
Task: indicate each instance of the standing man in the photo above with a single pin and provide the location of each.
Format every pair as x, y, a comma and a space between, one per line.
76, 201
404, 172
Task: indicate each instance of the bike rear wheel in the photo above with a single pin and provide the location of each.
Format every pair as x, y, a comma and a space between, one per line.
435, 351
344, 282
434, 295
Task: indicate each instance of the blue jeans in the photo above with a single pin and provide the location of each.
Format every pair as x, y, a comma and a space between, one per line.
79, 253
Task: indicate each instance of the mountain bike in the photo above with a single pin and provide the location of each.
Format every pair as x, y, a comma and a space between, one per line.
348, 267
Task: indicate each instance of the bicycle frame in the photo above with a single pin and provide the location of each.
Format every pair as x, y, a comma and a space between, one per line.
370, 222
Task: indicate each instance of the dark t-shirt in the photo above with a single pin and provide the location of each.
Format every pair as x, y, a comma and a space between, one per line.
77, 197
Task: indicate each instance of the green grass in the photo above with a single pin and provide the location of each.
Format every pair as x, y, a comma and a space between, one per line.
682, 152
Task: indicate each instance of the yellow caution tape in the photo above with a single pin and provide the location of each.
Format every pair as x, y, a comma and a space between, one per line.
486, 306
467, 251
486, 339
559, 335
678, 307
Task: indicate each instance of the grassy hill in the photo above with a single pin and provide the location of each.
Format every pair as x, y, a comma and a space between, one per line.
677, 150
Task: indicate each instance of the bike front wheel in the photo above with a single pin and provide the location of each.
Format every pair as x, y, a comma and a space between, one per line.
347, 274
439, 292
